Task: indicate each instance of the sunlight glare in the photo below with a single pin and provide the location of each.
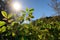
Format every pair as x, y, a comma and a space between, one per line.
16, 6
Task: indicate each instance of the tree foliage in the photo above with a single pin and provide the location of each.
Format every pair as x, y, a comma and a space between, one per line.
42, 29
12, 29
4, 6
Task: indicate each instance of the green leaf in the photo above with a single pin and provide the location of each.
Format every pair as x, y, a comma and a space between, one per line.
21, 18
0, 30
40, 36
9, 27
13, 34
31, 9
28, 18
58, 28
27, 9
22, 38
4, 14
13, 23
3, 29
30, 13
32, 16
9, 16
24, 15
26, 31
11, 20
2, 23
8, 34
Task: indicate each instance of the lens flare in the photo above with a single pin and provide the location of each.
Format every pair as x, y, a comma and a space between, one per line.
16, 6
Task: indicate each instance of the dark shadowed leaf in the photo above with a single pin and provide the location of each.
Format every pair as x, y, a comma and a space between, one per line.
31, 9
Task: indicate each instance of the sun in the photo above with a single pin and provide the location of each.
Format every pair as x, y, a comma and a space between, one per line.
16, 6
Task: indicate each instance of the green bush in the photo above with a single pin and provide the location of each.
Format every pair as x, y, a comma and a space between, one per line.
12, 29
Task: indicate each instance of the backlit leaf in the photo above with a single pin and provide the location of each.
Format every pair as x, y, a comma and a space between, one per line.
3, 29
4, 14
2, 23
9, 16
27, 9
13, 34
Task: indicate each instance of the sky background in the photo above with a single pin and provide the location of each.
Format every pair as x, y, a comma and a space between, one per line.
41, 7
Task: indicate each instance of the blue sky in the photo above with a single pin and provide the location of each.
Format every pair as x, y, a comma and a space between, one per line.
41, 7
